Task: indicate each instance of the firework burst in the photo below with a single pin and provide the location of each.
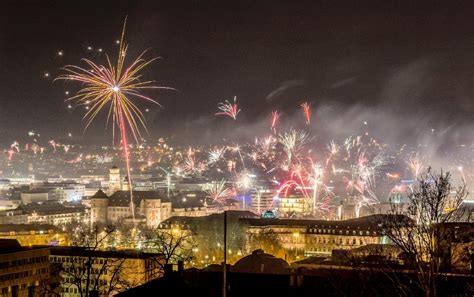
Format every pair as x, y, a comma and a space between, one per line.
219, 191
215, 155
293, 141
228, 109
114, 87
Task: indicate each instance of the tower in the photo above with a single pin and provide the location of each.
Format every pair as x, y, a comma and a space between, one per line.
99, 204
115, 183
125, 184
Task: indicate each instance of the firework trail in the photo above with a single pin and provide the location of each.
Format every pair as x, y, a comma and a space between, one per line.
306, 112
115, 86
275, 118
228, 109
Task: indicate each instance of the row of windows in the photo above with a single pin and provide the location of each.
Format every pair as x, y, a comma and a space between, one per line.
119, 209
23, 274
21, 262
94, 271
83, 281
293, 239
58, 259
347, 232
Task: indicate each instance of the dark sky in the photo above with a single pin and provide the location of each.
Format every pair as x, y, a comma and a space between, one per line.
410, 59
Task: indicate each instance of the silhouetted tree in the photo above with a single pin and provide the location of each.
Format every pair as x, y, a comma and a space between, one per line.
416, 228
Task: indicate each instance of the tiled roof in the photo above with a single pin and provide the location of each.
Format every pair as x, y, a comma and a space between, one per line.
100, 194
122, 198
49, 208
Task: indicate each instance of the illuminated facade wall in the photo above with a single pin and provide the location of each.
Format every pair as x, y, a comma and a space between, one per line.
23, 272
317, 239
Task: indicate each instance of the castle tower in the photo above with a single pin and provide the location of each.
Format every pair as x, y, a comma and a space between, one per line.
125, 184
115, 183
99, 204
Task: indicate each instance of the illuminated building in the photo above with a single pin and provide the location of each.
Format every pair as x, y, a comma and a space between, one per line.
115, 183
316, 237
262, 199
153, 206
34, 234
293, 206
133, 268
23, 271
62, 191
35, 195
53, 213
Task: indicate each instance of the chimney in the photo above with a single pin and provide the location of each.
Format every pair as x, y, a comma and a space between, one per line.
180, 267
168, 269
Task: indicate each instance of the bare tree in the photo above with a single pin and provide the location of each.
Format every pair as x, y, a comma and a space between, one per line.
266, 240
90, 270
416, 228
170, 245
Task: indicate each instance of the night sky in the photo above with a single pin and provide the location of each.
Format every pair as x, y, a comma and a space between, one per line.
408, 62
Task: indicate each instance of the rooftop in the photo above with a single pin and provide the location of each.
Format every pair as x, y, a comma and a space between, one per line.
85, 252
49, 208
26, 227
122, 198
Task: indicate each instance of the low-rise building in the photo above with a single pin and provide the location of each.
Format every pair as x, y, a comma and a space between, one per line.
317, 237
53, 213
14, 216
23, 271
109, 272
34, 234
36, 195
